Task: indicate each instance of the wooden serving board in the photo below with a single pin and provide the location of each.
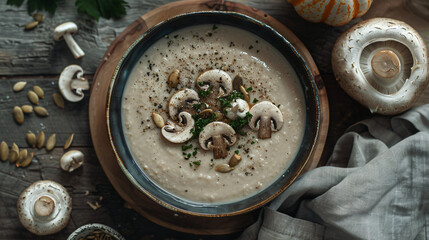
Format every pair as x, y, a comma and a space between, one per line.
97, 117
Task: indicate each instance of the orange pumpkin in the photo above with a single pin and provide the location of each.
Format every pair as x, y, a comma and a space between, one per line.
332, 12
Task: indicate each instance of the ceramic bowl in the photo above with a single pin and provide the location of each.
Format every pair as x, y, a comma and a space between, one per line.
87, 229
132, 169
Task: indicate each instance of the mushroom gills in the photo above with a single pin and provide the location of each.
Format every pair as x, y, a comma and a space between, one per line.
387, 65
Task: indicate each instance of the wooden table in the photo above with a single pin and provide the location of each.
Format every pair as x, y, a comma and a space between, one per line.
34, 56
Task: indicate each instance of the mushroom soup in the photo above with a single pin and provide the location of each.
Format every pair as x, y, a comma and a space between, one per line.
213, 113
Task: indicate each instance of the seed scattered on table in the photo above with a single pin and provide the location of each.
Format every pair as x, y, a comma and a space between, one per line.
39, 91
18, 115
69, 141
31, 139
4, 151
19, 86
58, 100
14, 153
41, 111
27, 109
40, 140
32, 96
31, 25
50, 143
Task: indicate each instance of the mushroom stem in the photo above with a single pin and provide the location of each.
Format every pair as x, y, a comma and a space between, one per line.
74, 48
79, 84
219, 147
385, 64
264, 127
44, 206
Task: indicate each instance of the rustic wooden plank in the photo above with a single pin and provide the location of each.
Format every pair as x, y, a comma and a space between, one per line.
35, 52
63, 122
87, 183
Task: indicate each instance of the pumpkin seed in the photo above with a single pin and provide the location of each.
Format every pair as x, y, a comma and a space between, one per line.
27, 109
25, 162
38, 17
223, 168
19, 86
158, 120
22, 156
58, 100
39, 91
69, 141
50, 143
40, 140
245, 93
173, 79
18, 115
31, 25
41, 111
32, 96
4, 151
31, 139
234, 160
14, 153
237, 82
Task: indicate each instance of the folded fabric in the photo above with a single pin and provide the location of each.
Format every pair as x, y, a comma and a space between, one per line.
374, 186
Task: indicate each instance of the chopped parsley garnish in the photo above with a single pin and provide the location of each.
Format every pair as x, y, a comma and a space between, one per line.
236, 151
195, 152
200, 83
239, 123
249, 89
186, 147
225, 102
210, 34
255, 100
252, 142
200, 123
214, 27
250, 47
196, 163
205, 93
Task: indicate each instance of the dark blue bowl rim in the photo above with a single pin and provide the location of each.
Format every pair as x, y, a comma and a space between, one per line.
133, 171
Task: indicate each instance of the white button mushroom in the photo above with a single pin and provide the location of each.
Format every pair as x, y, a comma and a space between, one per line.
72, 83
217, 136
217, 81
44, 207
179, 133
71, 160
65, 31
266, 117
238, 109
382, 63
182, 100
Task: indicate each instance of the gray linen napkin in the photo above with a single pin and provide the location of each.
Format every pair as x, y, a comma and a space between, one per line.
375, 186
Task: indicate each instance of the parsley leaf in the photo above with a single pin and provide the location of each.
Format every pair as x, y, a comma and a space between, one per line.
200, 123
239, 123
106, 8
225, 102
17, 3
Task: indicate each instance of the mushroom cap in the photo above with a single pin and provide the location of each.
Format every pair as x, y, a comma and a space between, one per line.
179, 100
238, 109
388, 87
71, 160
216, 129
65, 28
266, 108
52, 217
218, 79
72, 83
179, 134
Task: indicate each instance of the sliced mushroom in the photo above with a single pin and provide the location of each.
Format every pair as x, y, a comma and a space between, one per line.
217, 136
266, 117
181, 132
219, 81
382, 63
65, 31
182, 100
71, 160
44, 207
72, 83
238, 109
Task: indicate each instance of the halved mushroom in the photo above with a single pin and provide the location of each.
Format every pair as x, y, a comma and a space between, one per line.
217, 136
72, 83
44, 207
71, 160
181, 132
266, 117
182, 100
238, 109
217, 81
382, 63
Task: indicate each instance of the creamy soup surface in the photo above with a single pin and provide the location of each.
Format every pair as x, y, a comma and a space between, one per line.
194, 50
